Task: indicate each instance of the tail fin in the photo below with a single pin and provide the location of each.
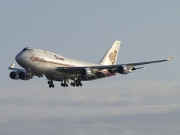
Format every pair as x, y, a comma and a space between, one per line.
111, 55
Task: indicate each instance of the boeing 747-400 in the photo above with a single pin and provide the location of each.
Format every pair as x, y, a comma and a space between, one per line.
38, 62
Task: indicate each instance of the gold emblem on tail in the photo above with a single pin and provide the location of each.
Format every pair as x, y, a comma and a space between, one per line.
112, 57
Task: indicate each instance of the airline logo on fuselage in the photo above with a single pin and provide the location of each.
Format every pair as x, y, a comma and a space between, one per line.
57, 58
59, 61
112, 57
33, 58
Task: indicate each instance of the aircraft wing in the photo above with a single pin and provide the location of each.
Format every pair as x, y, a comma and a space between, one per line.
149, 62
12, 67
112, 69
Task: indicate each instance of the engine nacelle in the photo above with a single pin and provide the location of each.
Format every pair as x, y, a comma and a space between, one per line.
25, 75
87, 72
124, 70
14, 75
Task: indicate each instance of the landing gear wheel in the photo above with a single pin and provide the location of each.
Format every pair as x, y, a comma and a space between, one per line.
51, 85
64, 84
77, 83
49, 82
72, 84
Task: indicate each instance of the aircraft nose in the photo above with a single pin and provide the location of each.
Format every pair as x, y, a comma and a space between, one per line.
22, 59
18, 57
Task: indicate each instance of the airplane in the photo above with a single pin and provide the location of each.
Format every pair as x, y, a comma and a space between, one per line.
38, 62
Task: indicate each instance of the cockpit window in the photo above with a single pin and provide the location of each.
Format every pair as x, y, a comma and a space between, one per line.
26, 49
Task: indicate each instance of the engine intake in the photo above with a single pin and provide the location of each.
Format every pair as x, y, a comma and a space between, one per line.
14, 75
124, 70
87, 72
25, 76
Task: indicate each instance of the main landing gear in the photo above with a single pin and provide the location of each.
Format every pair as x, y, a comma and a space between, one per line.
76, 83
64, 83
51, 85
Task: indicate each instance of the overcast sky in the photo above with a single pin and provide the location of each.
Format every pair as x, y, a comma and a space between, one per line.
143, 102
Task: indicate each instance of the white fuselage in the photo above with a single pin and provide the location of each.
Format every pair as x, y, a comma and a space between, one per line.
46, 62
37, 62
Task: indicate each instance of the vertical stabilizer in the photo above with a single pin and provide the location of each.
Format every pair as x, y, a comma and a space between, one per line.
111, 55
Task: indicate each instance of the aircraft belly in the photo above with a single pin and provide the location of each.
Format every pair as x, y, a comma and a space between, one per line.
57, 74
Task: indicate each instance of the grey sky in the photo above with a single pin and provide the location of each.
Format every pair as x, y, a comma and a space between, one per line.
144, 102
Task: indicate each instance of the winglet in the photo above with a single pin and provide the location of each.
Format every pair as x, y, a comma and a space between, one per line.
170, 58
12, 66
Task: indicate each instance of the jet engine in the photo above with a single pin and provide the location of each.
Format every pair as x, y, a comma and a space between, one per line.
14, 75
124, 70
87, 72
25, 75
